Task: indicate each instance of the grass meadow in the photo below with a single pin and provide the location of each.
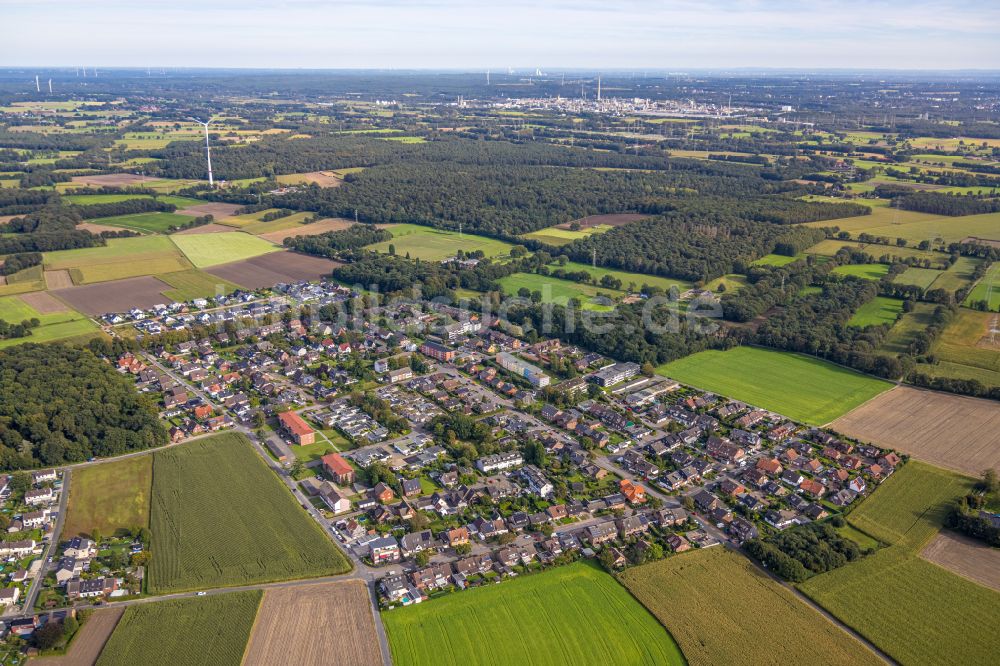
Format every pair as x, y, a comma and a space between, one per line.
879, 310
706, 597
436, 244
575, 614
220, 517
866, 271
120, 258
54, 325
557, 291
200, 631
918, 277
558, 237
915, 611
205, 250
987, 289
109, 497
152, 222
801, 387
627, 278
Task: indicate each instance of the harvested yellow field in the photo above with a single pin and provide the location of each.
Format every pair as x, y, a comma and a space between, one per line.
315, 624
967, 557
951, 431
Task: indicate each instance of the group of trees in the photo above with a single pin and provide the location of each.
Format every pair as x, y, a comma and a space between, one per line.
805, 550
969, 514
60, 404
947, 204
48, 229
331, 243
18, 262
124, 207
9, 330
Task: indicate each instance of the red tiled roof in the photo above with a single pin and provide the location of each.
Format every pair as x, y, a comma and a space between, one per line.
337, 464
294, 423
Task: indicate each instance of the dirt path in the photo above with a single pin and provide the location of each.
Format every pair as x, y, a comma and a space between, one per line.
88, 643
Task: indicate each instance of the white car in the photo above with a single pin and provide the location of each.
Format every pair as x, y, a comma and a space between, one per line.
201, 594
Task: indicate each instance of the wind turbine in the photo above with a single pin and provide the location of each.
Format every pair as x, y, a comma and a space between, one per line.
37, 87
50, 86
208, 150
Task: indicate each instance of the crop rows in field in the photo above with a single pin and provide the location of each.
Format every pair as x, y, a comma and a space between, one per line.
220, 517
200, 631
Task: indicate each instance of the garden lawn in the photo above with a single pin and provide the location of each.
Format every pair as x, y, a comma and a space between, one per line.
801, 387
222, 248
915, 611
879, 310
436, 244
220, 517
200, 631
109, 497
705, 598
575, 614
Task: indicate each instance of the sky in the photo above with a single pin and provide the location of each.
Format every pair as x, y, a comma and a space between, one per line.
476, 34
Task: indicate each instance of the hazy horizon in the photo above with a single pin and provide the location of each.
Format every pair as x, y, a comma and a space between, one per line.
678, 35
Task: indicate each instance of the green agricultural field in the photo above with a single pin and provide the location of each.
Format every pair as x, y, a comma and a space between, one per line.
89, 199
918, 277
152, 222
800, 387
879, 310
775, 260
952, 370
627, 278
704, 598
958, 275
54, 325
436, 244
969, 340
205, 250
109, 497
281, 224
557, 291
866, 271
575, 614
949, 620
208, 631
559, 237
190, 284
830, 247
906, 329
987, 289
120, 258
220, 517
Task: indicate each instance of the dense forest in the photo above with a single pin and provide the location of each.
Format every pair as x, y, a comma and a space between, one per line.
333, 242
51, 228
60, 404
701, 240
126, 207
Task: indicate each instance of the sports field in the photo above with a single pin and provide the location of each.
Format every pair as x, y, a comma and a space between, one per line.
987, 289
209, 631
220, 517
879, 310
213, 249
109, 497
190, 284
948, 619
575, 614
800, 387
557, 291
152, 222
705, 598
866, 271
437, 244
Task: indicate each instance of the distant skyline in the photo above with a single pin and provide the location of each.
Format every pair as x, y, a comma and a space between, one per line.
471, 34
